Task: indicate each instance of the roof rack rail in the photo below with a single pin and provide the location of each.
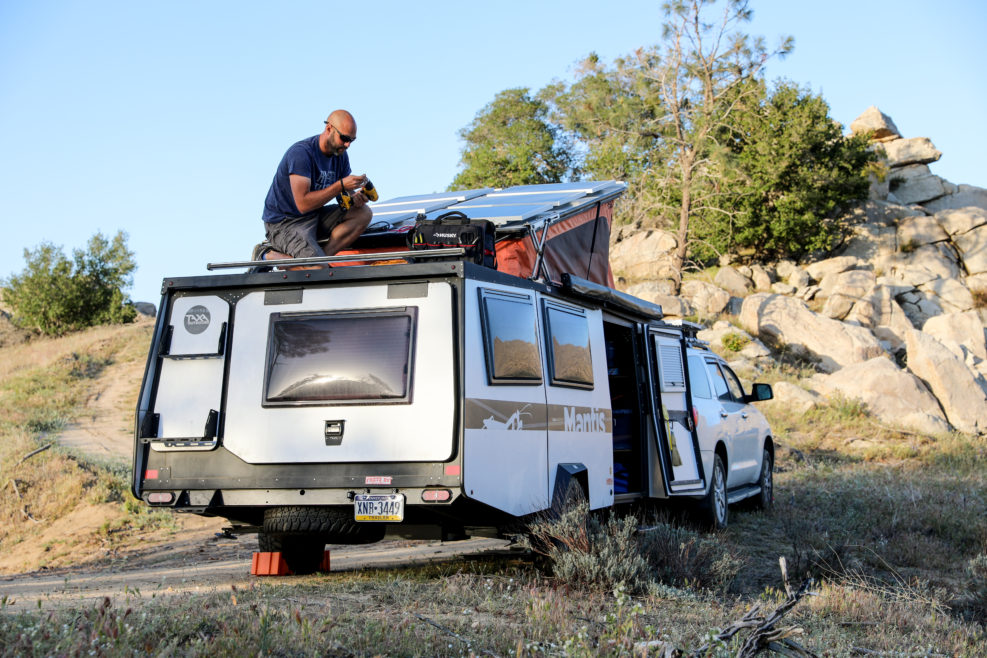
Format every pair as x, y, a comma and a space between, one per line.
321, 260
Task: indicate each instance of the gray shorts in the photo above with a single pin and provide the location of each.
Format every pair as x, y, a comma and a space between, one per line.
299, 237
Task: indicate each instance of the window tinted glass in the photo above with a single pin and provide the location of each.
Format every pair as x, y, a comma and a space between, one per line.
510, 339
568, 337
697, 378
343, 357
720, 388
734, 383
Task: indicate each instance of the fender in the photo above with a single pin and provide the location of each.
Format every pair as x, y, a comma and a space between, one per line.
564, 475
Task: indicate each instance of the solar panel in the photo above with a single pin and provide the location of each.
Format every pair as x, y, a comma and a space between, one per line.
519, 203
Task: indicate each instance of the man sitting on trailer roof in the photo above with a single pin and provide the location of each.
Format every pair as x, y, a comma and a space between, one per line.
313, 172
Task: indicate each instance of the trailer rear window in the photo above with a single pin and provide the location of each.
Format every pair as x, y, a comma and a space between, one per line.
340, 357
510, 338
568, 343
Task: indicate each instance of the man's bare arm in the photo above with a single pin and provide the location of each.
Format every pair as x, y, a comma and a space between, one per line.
308, 200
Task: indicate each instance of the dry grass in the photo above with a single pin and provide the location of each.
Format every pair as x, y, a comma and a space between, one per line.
893, 533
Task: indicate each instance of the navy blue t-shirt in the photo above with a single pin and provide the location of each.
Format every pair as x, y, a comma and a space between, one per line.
304, 158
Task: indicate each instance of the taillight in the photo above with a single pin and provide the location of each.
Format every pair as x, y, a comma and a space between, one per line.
436, 495
160, 497
151, 474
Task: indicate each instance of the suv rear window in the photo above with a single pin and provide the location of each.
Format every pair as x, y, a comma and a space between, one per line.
340, 357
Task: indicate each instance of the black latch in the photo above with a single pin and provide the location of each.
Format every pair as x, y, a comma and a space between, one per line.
334, 432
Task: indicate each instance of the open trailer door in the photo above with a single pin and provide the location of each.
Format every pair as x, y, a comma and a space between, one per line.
678, 447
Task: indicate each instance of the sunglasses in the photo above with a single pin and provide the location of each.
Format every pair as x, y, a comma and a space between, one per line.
343, 137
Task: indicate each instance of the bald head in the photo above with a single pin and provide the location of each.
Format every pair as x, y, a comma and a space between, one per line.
340, 132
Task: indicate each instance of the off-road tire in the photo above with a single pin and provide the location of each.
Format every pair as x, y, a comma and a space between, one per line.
715, 510
303, 532
765, 499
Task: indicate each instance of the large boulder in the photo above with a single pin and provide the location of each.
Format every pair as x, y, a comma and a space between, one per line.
915, 184
890, 393
844, 290
972, 246
965, 196
642, 256
875, 122
961, 392
881, 313
794, 397
951, 295
789, 322
963, 329
916, 150
657, 292
956, 221
835, 265
914, 232
706, 298
731, 280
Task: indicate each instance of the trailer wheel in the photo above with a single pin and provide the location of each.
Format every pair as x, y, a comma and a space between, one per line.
766, 498
715, 510
299, 529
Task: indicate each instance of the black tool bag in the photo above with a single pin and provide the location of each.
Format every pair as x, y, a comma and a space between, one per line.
454, 229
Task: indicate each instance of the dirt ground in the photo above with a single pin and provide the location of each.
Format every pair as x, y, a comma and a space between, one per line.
194, 559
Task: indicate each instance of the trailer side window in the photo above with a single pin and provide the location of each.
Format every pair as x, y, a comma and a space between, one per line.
510, 338
570, 362
339, 357
697, 378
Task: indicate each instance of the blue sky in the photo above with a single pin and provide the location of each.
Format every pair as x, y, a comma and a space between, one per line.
167, 119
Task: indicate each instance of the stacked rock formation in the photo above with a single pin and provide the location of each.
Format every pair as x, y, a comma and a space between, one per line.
897, 318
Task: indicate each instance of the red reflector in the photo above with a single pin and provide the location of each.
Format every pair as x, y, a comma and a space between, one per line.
151, 474
436, 495
453, 469
160, 497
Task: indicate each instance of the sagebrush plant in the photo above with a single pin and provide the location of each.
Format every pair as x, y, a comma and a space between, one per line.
979, 297
629, 550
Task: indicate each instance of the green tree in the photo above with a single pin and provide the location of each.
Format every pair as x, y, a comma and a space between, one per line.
663, 116
511, 142
797, 174
55, 295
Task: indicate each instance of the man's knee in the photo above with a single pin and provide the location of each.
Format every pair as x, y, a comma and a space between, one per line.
360, 216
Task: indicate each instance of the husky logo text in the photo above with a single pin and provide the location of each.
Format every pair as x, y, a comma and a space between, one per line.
589, 421
196, 319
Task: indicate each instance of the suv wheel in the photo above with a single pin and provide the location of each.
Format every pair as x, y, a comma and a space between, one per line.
715, 509
766, 498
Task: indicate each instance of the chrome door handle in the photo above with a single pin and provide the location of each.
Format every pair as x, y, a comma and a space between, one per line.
723, 414
743, 415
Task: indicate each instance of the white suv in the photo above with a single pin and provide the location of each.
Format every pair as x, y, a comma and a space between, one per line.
735, 442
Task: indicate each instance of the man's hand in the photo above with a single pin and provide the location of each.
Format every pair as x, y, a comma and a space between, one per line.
359, 199
354, 182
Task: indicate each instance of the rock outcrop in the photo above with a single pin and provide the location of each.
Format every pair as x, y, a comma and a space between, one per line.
897, 318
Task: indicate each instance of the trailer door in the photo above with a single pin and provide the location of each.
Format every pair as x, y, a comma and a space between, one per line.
675, 429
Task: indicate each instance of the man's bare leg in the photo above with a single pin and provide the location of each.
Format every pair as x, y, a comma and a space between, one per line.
355, 222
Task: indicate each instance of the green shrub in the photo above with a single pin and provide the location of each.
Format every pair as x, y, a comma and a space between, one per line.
588, 552
735, 342
55, 295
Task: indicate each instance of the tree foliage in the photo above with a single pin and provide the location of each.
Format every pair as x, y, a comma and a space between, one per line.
511, 142
55, 295
796, 175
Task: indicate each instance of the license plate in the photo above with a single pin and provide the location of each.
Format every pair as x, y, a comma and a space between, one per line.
378, 507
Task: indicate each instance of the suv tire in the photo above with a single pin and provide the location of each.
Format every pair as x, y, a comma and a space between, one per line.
716, 511
766, 498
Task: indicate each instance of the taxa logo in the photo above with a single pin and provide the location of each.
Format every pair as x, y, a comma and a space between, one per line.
197, 319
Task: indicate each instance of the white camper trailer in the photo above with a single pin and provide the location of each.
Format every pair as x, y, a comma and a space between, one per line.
436, 397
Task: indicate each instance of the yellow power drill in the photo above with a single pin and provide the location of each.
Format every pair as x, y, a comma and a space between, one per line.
346, 201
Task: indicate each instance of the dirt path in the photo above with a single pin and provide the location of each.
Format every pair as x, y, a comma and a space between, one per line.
107, 428
195, 560
206, 564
